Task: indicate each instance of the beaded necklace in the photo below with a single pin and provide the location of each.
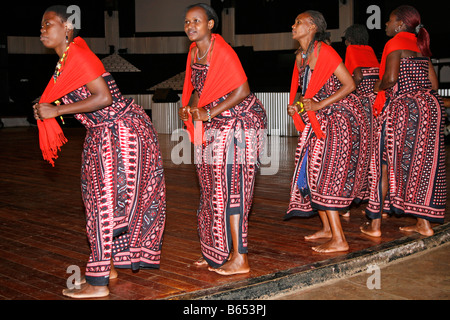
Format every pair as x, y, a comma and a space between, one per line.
305, 55
60, 64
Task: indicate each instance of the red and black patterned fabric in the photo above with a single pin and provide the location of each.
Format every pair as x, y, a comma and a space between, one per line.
409, 139
123, 187
335, 164
364, 91
226, 165
401, 41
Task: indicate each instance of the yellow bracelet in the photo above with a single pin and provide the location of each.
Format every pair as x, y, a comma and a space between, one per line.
300, 104
58, 103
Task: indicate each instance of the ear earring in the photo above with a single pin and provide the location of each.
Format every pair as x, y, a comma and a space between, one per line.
399, 28
67, 37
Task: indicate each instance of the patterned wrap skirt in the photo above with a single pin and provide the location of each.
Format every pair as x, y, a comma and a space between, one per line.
332, 168
123, 186
364, 91
227, 165
409, 140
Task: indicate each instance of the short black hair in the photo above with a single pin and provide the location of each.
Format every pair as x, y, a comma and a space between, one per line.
357, 34
210, 13
61, 11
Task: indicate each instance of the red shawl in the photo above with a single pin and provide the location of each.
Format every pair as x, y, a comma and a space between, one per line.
326, 64
360, 56
225, 74
81, 67
401, 41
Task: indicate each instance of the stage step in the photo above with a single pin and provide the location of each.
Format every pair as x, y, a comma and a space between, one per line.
14, 122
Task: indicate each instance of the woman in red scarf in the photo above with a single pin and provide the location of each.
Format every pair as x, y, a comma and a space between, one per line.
408, 163
217, 97
327, 157
122, 177
363, 65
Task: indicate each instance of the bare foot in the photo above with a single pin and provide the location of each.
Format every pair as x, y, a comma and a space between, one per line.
87, 291
236, 265
321, 234
371, 230
423, 229
201, 262
345, 214
112, 275
332, 246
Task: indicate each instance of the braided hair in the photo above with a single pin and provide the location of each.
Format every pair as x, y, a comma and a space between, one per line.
321, 28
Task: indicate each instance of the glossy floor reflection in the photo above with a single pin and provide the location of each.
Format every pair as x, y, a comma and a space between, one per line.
42, 225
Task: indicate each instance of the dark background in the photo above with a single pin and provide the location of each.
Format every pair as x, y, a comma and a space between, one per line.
24, 77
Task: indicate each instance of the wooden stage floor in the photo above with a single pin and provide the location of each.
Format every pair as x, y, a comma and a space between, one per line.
42, 225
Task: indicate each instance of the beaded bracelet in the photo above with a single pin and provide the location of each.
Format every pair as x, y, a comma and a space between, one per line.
300, 104
208, 112
58, 103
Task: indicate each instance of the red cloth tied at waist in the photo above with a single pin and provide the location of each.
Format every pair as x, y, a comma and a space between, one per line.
401, 41
81, 67
360, 56
326, 64
225, 74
